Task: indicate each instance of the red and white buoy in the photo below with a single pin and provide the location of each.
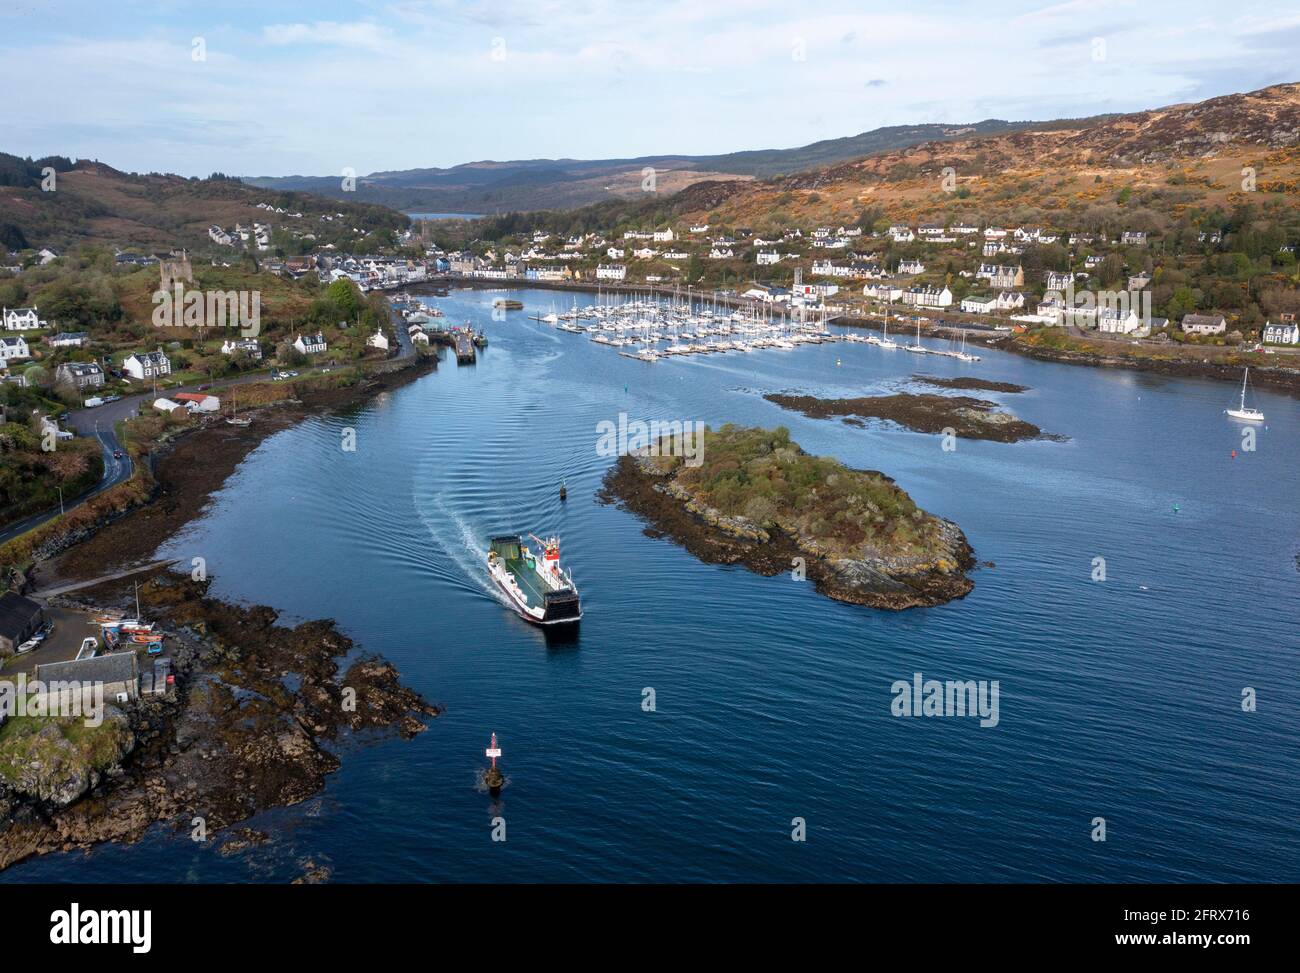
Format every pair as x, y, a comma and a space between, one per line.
494, 751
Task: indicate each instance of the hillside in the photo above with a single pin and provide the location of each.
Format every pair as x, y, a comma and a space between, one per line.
1169, 160
95, 203
535, 184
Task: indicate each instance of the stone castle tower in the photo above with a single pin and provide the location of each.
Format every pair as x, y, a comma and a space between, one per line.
176, 268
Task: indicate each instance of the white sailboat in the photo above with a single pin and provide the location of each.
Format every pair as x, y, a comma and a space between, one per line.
917, 348
963, 354
1243, 411
884, 341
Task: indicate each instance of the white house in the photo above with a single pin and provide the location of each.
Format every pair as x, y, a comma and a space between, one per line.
68, 339
615, 253
664, 236
1115, 321
883, 292
47, 254
979, 304
14, 349
310, 344
766, 258
150, 364
1204, 324
721, 253
1010, 300
928, 297
1282, 333
22, 319
378, 340
611, 272
1058, 281
247, 345
911, 267
700, 228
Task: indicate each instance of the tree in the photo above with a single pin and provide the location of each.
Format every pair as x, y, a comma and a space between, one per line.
343, 294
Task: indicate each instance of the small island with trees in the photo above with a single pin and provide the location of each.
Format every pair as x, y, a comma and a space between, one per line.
759, 500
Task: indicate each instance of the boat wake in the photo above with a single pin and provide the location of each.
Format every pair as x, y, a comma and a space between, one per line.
457, 539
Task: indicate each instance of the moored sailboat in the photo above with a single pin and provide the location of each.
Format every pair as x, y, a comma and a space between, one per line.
1244, 411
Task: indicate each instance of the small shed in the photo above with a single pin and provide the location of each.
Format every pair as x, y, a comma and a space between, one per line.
199, 401
20, 619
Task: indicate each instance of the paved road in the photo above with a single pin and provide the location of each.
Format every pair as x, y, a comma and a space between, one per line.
115, 472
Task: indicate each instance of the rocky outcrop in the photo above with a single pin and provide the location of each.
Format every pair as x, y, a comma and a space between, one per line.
56, 765
880, 580
247, 728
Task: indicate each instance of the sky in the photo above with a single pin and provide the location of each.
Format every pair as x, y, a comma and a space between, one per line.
265, 87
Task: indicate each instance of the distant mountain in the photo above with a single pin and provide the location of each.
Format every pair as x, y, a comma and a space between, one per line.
1191, 164
533, 184
1154, 166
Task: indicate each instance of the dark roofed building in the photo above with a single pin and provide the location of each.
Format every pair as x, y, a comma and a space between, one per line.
119, 672
20, 619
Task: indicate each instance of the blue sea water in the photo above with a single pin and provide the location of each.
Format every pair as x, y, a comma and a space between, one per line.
1118, 699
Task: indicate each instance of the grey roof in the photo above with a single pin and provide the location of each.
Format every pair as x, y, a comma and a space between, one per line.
16, 613
111, 668
82, 367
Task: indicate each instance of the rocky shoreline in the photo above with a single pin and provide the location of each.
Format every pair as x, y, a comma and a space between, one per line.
894, 584
967, 417
968, 383
256, 705
246, 727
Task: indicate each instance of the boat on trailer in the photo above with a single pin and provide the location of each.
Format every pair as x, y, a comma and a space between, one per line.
540, 591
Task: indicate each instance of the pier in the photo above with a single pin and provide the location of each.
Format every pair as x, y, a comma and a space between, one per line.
463, 342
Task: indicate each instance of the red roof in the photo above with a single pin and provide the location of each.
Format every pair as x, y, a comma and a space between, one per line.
192, 396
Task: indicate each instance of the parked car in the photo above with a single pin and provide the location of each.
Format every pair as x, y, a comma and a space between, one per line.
117, 454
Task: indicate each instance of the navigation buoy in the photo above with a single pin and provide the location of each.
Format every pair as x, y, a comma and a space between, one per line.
837, 363
1234, 454
492, 777
1175, 508
564, 494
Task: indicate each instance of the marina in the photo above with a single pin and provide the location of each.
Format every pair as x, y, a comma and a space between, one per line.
652, 329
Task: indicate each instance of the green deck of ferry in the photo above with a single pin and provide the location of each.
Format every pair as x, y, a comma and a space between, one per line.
528, 581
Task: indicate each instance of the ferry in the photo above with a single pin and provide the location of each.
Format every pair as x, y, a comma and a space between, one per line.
540, 591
